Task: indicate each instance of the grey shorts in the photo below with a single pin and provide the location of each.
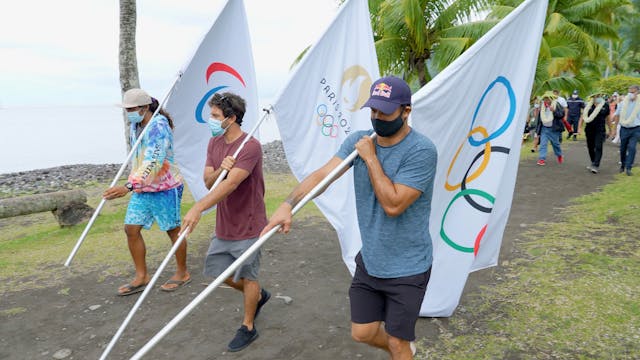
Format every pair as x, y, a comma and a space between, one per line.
222, 253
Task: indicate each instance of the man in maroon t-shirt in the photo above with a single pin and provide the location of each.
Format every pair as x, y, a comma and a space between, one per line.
241, 213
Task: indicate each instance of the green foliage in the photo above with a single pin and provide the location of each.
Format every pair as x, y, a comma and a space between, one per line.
410, 34
33, 247
618, 83
583, 40
570, 293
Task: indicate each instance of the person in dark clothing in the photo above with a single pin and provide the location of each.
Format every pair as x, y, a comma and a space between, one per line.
575, 105
595, 120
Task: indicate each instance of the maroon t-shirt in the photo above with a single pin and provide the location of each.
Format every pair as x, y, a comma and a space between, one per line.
241, 215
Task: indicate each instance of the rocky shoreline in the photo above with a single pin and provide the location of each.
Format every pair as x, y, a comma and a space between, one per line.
72, 176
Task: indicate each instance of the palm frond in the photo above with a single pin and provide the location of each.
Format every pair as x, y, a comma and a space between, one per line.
564, 83
473, 30
299, 57
587, 9
598, 29
545, 50
415, 23
448, 49
560, 26
459, 11
391, 51
500, 12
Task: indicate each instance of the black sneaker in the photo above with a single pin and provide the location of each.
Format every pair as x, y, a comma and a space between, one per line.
243, 338
629, 173
621, 169
264, 297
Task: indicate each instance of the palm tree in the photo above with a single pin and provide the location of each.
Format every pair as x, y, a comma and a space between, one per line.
417, 38
626, 54
570, 51
127, 56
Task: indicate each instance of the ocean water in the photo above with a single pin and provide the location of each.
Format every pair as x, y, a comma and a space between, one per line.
43, 137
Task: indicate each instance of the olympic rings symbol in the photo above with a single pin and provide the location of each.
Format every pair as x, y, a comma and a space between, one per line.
467, 193
446, 238
512, 111
480, 170
326, 122
463, 184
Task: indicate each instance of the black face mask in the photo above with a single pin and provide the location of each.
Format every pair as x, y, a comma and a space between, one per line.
387, 128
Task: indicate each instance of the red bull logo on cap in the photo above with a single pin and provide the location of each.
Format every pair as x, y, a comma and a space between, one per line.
382, 89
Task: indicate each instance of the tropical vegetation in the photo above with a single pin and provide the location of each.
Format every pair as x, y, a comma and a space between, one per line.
583, 42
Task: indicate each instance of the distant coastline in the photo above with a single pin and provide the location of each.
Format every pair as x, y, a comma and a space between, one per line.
67, 177
42, 137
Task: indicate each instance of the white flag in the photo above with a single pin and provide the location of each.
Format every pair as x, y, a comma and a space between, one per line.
320, 106
475, 112
222, 62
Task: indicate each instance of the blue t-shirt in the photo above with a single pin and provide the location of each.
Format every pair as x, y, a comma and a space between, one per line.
399, 246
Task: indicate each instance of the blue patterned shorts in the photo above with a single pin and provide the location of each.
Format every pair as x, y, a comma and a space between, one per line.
163, 207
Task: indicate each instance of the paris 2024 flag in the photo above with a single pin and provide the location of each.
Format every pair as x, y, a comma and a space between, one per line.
222, 62
475, 111
320, 106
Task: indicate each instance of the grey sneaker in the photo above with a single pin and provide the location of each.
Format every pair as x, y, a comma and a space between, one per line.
594, 169
243, 338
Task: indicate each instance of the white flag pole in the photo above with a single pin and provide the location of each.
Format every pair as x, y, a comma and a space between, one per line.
117, 177
174, 248
250, 251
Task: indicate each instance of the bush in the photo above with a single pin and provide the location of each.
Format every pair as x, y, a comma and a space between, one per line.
618, 83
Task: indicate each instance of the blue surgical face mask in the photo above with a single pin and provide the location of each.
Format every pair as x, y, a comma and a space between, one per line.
134, 117
215, 126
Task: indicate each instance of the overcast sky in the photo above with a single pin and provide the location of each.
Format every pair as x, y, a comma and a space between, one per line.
66, 52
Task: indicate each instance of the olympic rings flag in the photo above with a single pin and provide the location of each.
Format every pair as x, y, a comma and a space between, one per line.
222, 62
475, 111
320, 106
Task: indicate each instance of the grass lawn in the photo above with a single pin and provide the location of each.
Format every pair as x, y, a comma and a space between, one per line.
571, 294
34, 248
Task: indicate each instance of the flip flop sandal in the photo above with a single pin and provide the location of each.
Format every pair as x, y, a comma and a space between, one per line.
179, 283
132, 289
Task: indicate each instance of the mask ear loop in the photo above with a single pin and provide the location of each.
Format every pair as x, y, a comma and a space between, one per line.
225, 129
144, 112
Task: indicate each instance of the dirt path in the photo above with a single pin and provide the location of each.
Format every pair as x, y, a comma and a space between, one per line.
83, 314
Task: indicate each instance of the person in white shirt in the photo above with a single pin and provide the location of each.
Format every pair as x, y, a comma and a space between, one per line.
628, 116
562, 102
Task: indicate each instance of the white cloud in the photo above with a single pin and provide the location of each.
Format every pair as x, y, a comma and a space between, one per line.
66, 52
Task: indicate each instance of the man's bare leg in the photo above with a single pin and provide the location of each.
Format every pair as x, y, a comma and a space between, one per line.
374, 334
251, 291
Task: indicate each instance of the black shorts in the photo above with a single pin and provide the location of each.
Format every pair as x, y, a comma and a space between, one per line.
395, 301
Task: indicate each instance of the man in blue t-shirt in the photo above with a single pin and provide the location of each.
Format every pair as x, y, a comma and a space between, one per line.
393, 179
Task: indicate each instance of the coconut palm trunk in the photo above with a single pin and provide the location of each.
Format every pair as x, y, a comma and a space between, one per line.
127, 56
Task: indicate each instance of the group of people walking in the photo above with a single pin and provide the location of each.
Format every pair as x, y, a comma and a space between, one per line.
393, 179
602, 117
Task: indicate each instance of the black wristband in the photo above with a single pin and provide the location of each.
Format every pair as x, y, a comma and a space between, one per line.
129, 186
